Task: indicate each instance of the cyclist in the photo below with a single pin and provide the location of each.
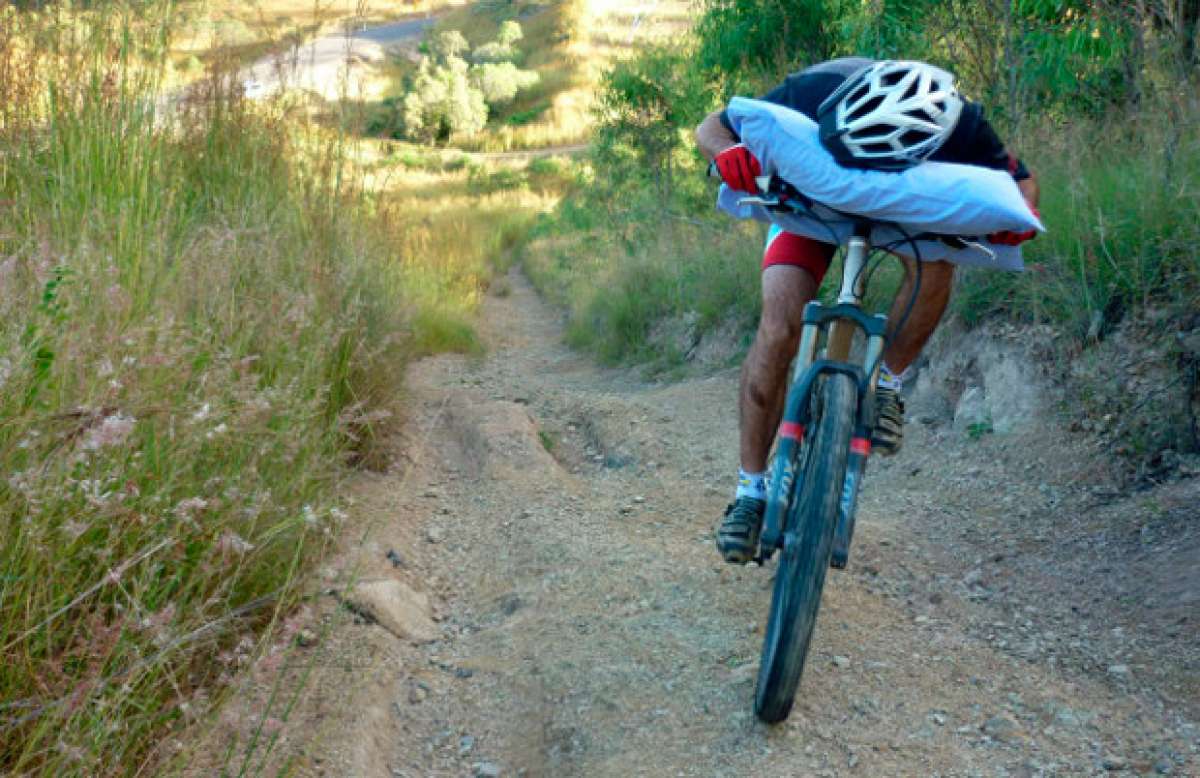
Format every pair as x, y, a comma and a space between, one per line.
885, 115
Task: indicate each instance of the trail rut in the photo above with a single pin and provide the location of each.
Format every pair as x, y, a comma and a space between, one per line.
562, 515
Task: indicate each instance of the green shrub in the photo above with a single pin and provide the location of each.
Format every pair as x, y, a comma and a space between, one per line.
449, 97
500, 82
442, 102
519, 118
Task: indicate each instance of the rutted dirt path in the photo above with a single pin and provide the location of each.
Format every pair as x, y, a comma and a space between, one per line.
561, 516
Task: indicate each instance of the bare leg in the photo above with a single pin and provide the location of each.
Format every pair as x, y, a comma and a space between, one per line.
906, 344
786, 289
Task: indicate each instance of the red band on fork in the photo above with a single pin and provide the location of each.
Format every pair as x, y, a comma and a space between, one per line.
792, 431
860, 446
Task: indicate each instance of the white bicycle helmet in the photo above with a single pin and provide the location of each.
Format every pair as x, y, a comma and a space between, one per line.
890, 115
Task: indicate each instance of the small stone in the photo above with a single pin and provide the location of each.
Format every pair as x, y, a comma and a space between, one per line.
1000, 728
305, 638
841, 662
463, 672
939, 719
1112, 762
1163, 766
417, 694
430, 493
465, 744
396, 607
486, 770
639, 499
435, 534
1119, 671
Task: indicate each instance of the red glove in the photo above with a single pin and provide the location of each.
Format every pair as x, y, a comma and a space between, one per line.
1010, 238
738, 168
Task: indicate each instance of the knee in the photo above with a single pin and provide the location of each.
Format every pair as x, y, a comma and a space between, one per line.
778, 337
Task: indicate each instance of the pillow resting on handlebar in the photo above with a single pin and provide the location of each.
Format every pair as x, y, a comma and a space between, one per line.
939, 197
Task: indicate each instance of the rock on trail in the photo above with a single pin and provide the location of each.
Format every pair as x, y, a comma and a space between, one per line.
395, 607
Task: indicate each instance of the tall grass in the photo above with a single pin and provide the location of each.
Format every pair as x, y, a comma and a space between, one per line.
200, 321
619, 286
1121, 200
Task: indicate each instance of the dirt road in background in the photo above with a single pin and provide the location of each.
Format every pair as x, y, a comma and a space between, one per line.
560, 519
345, 64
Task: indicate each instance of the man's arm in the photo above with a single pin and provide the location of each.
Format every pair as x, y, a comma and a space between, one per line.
713, 137
1030, 190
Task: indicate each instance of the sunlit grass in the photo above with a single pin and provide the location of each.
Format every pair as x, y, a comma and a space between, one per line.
1123, 214
203, 318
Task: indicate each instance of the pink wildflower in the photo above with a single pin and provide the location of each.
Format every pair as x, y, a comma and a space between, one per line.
189, 507
231, 541
111, 432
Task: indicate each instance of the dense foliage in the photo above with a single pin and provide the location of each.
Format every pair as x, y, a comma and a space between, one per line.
454, 87
1099, 97
1081, 90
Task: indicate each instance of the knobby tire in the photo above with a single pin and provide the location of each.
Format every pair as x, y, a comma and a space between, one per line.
800, 577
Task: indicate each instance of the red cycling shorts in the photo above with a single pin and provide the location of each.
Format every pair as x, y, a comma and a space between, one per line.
788, 248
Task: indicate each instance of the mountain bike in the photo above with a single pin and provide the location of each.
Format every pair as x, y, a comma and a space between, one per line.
821, 448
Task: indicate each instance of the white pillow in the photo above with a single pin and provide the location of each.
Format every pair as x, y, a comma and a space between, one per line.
941, 197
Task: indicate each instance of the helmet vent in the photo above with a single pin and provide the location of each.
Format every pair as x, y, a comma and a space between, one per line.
866, 108
913, 137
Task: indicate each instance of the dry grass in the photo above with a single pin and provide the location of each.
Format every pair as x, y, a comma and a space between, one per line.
203, 318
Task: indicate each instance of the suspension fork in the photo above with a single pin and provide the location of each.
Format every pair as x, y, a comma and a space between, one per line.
841, 322
841, 337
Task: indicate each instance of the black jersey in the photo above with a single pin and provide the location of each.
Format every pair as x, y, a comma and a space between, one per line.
973, 141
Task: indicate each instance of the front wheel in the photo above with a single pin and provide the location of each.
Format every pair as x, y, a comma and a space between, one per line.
808, 541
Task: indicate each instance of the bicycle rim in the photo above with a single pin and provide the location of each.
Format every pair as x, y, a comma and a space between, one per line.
804, 559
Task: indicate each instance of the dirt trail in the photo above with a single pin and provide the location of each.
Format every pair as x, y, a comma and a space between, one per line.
561, 517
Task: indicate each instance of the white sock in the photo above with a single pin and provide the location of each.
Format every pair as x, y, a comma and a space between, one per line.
890, 380
751, 485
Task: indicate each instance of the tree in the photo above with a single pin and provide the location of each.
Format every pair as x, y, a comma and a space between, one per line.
442, 102
448, 96
500, 82
503, 49
646, 104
